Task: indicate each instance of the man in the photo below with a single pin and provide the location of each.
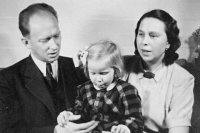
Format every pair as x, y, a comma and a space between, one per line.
36, 89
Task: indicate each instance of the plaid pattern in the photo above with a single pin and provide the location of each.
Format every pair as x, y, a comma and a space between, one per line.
121, 105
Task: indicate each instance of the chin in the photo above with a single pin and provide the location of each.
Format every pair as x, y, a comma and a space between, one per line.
53, 59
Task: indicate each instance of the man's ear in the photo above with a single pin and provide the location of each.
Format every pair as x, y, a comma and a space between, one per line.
25, 41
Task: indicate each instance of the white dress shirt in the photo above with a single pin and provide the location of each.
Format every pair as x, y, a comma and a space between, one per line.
42, 66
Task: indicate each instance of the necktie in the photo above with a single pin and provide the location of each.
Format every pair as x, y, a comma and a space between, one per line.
149, 75
51, 81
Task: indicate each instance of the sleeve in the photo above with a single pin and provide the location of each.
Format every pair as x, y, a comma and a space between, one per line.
11, 114
9, 106
78, 109
133, 114
180, 108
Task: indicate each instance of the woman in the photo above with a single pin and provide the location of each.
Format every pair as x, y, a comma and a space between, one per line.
166, 89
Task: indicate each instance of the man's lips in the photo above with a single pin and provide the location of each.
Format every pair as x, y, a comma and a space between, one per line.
53, 54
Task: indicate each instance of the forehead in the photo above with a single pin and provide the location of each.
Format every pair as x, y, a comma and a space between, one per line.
98, 65
152, 25
43, 23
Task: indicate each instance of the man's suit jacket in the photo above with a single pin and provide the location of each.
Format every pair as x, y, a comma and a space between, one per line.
25, 102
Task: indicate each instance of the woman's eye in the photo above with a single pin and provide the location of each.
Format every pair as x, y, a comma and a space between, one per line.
153, 36
140, 34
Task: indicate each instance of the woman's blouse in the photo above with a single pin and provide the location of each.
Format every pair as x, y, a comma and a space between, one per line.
167, 99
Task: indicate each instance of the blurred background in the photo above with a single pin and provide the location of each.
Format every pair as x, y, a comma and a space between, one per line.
86, 21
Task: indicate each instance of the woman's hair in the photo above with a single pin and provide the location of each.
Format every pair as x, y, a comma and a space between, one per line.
171, 30
106, 49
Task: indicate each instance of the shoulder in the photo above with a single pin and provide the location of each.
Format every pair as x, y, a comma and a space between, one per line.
15, 68
66, 62
126, 87
85, 86
180, 72
65, 59
130, 61
179, 75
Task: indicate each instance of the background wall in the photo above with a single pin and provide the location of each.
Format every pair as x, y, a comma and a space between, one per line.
86, 21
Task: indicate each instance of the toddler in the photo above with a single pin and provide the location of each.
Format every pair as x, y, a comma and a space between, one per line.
105, 97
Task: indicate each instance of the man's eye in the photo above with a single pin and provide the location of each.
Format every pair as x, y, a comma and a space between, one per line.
57, 36
45, 40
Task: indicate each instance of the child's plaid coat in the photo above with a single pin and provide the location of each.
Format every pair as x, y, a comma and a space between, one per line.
121, 105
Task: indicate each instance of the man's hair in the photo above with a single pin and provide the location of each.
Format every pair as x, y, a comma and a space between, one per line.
27, 13
171, 30
106, 49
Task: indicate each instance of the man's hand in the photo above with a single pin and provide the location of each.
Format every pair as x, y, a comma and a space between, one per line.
76, 128
66, 116
120, 129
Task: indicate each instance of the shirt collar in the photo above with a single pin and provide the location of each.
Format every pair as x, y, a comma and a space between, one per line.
158, 72
42, 66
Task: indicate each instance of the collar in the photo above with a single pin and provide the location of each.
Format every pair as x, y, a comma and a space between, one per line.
159, 71
42, 66
110, 87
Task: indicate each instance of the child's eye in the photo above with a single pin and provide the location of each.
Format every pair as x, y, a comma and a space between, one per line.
92, 73
104, 73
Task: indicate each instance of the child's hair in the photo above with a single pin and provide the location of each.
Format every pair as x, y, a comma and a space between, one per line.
106, 49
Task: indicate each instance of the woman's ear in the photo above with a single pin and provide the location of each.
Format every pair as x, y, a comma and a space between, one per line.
168, 45
25, 41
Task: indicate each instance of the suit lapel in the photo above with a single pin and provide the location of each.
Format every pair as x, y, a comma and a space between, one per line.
63, 75
35, 83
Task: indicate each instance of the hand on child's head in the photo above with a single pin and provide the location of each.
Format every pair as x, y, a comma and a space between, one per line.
120, 129
63, 118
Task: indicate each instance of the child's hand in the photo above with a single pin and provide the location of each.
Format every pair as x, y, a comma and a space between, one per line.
63, 118
120, 129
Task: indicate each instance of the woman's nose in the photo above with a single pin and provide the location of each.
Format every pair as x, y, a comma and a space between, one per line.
145, 40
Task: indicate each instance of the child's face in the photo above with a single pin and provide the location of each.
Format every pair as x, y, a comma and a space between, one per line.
100, 74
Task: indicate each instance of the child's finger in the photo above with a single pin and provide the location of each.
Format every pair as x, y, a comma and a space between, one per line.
113, 129
118, 129
74, 117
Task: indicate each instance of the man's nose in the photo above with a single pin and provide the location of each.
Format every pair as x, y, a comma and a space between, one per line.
53, 44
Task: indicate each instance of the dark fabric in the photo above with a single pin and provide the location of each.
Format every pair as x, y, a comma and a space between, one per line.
194, 69
51, 81
121, 105
149, 75
26, 104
